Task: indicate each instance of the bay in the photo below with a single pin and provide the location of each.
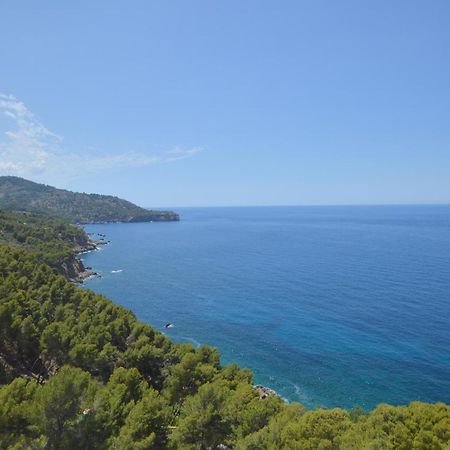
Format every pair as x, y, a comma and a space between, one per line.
329, 306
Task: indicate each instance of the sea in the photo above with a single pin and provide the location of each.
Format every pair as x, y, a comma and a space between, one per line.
329, 306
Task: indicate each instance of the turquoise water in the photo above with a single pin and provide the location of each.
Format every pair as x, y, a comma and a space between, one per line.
327, 305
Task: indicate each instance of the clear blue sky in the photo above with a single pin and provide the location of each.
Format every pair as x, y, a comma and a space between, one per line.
191, 103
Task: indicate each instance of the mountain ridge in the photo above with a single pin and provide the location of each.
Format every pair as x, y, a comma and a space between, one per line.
19, 194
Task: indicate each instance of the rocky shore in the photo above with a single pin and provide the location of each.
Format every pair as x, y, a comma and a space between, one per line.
264, 391
74, 269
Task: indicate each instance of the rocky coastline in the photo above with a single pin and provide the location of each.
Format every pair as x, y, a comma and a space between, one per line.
74, 269
77, 272
264, 391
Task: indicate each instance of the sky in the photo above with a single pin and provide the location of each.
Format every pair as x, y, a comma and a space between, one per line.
229, 103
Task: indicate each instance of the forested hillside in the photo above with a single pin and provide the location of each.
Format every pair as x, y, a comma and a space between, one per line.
79, 372
17, 194
51, 240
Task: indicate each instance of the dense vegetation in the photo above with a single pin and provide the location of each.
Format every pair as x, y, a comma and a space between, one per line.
79, 372
17, 194
52, 240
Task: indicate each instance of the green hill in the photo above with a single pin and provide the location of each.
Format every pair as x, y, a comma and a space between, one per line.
53, 241
18, 194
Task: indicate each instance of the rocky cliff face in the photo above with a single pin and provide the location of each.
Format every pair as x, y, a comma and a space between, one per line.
73, 269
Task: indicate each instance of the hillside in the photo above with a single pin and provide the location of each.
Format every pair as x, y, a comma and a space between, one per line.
79, 372
51, 240
18, 194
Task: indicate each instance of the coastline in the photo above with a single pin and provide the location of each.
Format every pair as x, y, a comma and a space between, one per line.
265, 392
143, 251
86, 273
74, 269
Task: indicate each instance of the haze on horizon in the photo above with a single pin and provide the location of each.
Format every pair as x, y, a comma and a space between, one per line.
229, 103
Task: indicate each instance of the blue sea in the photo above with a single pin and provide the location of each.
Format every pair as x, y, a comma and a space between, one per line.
329, 306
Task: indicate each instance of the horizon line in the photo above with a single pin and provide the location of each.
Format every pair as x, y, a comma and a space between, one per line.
307, 205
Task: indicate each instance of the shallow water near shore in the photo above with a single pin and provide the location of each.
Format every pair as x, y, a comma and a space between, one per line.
329, 306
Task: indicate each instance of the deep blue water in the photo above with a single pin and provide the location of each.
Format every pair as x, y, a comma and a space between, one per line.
328, 305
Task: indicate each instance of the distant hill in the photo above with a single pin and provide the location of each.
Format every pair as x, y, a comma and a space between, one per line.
18, 194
